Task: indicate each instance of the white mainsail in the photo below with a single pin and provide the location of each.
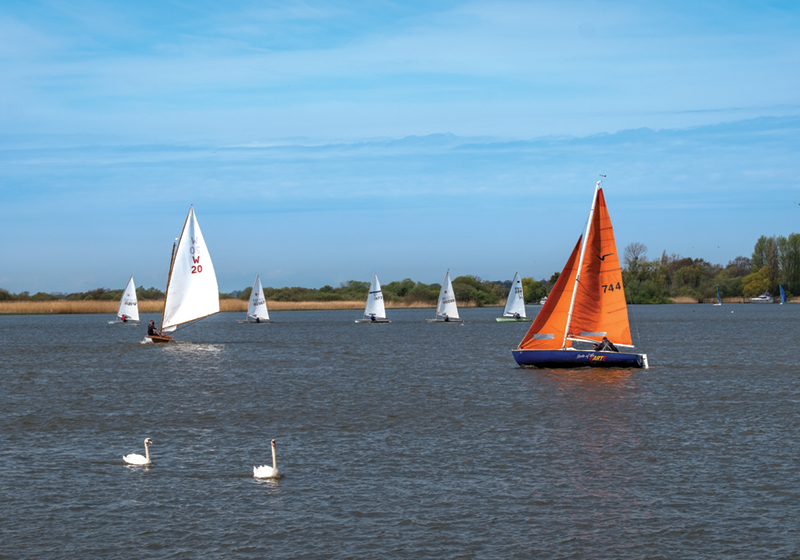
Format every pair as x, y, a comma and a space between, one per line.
375, 304
447, 299
128, 305
258, 303
192, 290
515, 304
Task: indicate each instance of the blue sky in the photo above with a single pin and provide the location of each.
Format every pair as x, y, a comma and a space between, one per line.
322, 141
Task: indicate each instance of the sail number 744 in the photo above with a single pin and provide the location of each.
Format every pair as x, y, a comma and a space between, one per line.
611, 287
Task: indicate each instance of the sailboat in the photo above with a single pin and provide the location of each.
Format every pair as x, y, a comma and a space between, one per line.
446, 309
375, 310
515, 304
257, 308
783, 295
586, 305
719, 301
192, 292
128, 306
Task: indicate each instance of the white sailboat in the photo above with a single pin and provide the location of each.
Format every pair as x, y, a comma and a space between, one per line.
515, 304
128, 306
375, 310
257, 309
446, 310
192, 292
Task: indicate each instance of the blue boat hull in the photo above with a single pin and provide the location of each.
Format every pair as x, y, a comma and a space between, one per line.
580, 358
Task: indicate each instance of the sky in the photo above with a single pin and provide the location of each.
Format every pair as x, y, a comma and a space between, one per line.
320, 142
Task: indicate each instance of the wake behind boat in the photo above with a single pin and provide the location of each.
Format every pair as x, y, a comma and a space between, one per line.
375, 310
446, 309
257, 308
586, 306
192, 292
515, 304
128, 312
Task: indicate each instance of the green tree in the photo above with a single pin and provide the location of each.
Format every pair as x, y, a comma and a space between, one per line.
534, 290
755, 283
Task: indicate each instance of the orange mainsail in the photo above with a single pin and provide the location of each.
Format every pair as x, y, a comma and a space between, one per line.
599, 307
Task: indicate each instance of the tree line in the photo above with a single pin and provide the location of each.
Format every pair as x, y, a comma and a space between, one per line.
775, 262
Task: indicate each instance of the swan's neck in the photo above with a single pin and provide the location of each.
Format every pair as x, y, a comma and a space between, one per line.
146, 451
274, 460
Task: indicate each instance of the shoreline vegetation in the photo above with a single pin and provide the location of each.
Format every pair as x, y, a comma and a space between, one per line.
66, 307
670, 279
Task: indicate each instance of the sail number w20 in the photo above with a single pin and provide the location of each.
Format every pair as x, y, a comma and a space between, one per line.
611, 287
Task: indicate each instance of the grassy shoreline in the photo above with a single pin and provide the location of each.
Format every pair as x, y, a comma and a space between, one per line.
65, 307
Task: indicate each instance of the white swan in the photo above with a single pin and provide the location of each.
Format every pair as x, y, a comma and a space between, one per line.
136, 459
268, 472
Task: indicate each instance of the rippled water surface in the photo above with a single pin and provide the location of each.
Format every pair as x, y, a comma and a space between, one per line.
408, 440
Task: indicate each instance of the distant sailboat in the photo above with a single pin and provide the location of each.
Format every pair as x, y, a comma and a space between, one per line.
257, 309
128, 306
515, 304
446, 310
783, 295
719, 301
587, 305
375, 310
192, 292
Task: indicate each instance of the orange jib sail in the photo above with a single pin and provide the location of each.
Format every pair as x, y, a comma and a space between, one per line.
547, 331
600, 308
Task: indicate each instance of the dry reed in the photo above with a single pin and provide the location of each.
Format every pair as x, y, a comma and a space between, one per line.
66, 307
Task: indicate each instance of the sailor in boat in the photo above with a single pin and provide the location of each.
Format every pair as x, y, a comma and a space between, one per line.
151, 329
372, 317
258, 319
516, 315
605, 346
446, 317
124, 318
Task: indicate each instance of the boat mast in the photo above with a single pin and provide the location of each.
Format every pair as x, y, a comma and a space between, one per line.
580, 265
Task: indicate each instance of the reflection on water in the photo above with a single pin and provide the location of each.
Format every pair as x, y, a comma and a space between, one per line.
408, 440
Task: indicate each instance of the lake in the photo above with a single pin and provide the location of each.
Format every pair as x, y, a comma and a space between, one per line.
406, 440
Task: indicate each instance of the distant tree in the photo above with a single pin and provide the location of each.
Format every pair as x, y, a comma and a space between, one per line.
759, 253
740, 266
635, 254
245, 294
755, 283
4, 295
534, 290
41, 296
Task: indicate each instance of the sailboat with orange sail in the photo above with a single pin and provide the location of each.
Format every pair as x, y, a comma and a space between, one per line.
586, 305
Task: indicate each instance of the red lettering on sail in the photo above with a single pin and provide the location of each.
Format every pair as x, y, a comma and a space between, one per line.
195, 260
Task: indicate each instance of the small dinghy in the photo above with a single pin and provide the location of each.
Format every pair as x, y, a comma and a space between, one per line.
515, 304
783, 295
257, 309
586, 306
719, 300
446, 310
128, 306
192, 292
375, 310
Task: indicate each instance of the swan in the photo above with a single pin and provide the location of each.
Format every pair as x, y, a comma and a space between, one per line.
136, 459
268, 472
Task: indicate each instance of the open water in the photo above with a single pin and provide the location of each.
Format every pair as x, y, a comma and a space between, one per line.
408, 440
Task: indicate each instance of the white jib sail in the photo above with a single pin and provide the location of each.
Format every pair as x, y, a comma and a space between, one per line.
128, 305
515, 304
258, 303
192, 292
447, 299
375, 304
